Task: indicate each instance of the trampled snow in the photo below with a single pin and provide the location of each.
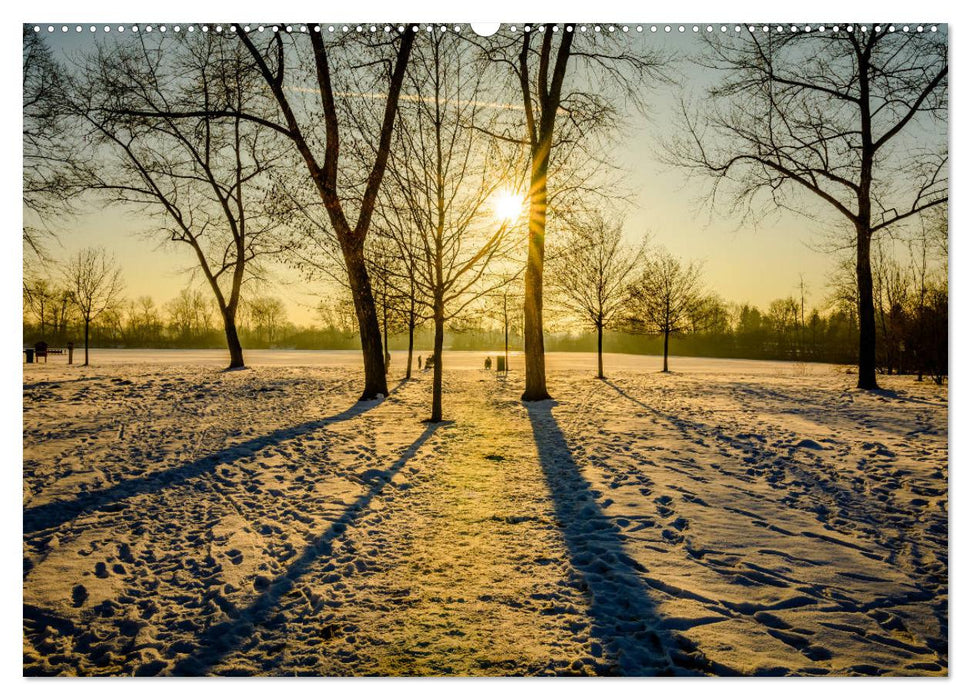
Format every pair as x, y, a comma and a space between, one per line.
732, 517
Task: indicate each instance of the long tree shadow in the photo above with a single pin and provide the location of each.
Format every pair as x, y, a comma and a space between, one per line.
779, 475
57, 382
221, 639
59, 512
623, 615
904, 398
753, 451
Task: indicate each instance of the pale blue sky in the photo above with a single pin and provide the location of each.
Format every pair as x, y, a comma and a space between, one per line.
741, 263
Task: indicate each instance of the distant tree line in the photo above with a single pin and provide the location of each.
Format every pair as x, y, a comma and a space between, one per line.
911, 328
190, 320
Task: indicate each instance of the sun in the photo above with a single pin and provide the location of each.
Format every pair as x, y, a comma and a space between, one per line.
507, 206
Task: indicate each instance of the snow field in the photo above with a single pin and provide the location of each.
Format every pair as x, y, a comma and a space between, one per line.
760, 519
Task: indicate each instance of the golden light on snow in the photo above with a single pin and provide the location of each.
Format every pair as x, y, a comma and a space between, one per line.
507, 206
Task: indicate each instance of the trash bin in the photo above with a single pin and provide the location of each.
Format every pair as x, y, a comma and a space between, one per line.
500, 363
29, 352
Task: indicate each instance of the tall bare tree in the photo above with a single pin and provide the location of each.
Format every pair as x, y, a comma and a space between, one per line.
270, 60
445, 176
541, 94
50, 154
665, 299
852, 119
207, 180
591, 271
374, 67
94, 280
570, 86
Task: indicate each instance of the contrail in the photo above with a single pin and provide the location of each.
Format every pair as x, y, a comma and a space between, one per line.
415, 98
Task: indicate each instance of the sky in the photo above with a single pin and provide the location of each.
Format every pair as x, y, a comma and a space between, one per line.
742, 262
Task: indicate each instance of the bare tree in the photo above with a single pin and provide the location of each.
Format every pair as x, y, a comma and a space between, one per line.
392, 267
270, 63
665, 298
928, 251
401, 281
206, 180
783, 320
298, 122
267, 317
190, 316
443, 176
40, 298
143, 323
505, 305
95, 283
853, 118
50, 154
891, 291
592, 269
570, 89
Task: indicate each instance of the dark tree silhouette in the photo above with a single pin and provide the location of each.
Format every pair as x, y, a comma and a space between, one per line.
51, 159
270, 62
94, 280
852, 118
665, 299
443, 175
591, 271
570, 87
205, 179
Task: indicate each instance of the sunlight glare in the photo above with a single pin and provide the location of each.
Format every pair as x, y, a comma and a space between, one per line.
507, 206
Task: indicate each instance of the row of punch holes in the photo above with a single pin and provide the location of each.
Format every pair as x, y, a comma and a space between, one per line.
609, 28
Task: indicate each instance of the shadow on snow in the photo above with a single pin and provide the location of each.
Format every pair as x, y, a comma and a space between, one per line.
223, 638
59, 512
624, 617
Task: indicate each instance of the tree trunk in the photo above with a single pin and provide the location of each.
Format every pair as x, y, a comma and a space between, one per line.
505, 325
437, 368
87, 328
232, 340
864, 274
375, 381
600, 352
533, 347
384, 329
666, 334
411, 329
411, 344
868, 330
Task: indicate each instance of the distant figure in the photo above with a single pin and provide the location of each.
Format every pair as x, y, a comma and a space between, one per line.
419, 362
488, 362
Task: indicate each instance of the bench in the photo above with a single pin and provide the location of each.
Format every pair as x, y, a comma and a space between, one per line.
42, 349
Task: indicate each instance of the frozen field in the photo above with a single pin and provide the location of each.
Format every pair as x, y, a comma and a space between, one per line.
735, 517
460, 359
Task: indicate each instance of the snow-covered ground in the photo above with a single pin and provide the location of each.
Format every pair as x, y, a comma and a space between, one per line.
458, 359
730, 518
